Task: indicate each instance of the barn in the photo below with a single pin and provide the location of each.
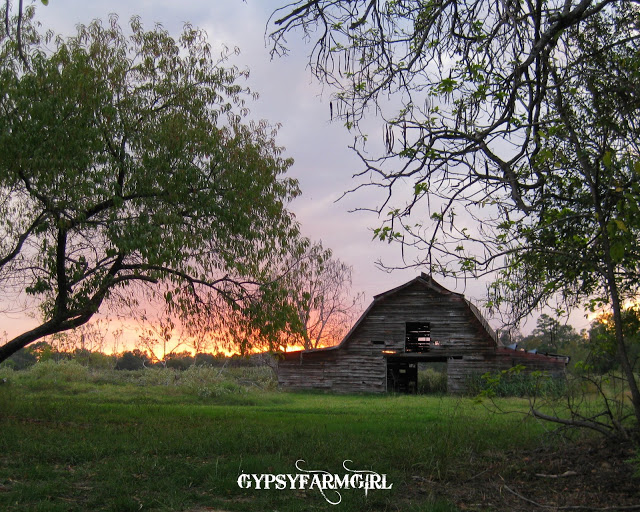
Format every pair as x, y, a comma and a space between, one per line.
417, 322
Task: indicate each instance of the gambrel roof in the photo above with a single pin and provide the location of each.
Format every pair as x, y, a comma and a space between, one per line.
427, 282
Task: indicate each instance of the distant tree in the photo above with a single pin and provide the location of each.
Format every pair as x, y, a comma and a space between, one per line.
550, 335
132, 360
322, 297
179, 360
126, 159
206, 359
101, 360
43, 350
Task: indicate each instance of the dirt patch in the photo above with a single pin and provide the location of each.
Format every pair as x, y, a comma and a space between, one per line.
583, 476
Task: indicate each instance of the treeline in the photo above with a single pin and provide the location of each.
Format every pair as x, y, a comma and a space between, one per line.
593, 349
135, 359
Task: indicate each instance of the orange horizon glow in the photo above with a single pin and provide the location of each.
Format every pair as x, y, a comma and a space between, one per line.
125, 335
215, 352
600, 315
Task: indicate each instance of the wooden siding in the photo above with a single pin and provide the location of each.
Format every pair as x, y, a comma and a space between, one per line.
459, 335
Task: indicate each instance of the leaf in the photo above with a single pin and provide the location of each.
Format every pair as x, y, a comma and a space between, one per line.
617, 251
621, 225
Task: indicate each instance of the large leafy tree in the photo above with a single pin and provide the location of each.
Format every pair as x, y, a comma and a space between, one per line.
517, 133
126, 158
582, 238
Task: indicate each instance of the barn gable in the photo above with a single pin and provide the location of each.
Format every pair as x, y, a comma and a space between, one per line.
419, 321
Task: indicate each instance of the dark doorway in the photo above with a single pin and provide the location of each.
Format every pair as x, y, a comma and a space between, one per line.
402, 377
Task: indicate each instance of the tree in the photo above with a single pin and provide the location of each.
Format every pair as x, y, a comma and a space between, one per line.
602, 340
127, 165
517, 131
582, 241
551, 336
15, 31
322, 297
132, 360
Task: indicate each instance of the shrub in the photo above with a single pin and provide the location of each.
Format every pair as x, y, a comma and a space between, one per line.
156, 376
517, 384
432, 381
6, 373
61, 371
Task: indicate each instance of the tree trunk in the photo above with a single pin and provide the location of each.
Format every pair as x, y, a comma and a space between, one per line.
623, 357
51, 327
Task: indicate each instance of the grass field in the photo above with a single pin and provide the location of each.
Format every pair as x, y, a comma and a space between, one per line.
73, 440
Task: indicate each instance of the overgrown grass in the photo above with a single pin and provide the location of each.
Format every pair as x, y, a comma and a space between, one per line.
76, 440
432, 381
518, 385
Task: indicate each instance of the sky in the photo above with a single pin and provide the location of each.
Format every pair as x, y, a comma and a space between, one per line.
289, 95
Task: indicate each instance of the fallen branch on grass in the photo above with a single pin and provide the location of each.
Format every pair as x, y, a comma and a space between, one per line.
565, 474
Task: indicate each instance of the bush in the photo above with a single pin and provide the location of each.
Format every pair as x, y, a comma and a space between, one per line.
432, 381
203, 381
517, 384
156, 376
6, 373
62, 371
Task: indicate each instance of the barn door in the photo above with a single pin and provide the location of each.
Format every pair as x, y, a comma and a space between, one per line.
402, 377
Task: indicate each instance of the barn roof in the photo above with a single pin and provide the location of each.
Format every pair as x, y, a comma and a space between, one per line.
423, 280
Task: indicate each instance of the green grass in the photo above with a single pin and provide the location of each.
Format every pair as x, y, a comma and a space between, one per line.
72, 440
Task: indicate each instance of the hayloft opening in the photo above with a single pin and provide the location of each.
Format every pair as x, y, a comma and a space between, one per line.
417, 337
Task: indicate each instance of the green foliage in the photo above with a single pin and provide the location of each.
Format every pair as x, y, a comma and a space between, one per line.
62, 371
197, 383
602, 345
582, 236
126, 156
516, 382
432, 381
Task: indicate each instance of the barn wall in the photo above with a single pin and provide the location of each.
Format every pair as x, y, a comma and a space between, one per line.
307, 371
311, 375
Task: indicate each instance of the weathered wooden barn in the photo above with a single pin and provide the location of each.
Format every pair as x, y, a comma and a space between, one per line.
420, 321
